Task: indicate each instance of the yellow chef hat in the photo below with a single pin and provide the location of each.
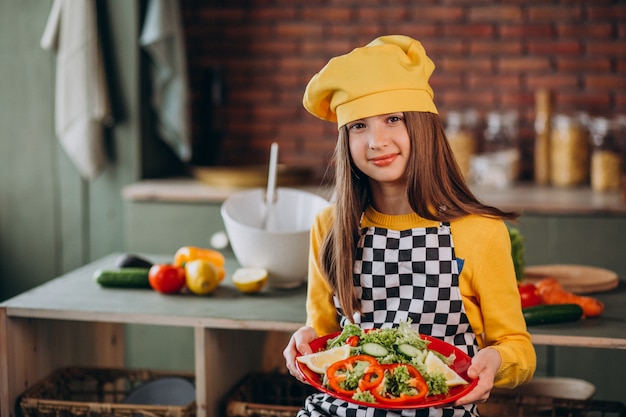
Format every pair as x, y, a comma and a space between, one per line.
388, 75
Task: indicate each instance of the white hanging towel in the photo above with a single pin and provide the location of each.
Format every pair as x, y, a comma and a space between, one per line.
81, 99
162, 38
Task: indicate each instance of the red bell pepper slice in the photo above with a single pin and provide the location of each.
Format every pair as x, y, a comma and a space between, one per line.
374, 375
337, 372
417, 382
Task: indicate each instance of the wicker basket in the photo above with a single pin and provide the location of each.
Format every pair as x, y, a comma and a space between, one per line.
512, 405
92, 392
267, 395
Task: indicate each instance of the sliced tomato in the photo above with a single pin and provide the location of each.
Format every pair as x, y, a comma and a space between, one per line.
353, 341
417, 382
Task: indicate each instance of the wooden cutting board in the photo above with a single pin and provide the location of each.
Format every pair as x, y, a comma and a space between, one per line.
578, 279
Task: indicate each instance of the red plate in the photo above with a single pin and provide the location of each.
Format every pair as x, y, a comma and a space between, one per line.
461, 363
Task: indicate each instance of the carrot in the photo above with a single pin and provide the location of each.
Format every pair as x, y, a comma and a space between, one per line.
552, 292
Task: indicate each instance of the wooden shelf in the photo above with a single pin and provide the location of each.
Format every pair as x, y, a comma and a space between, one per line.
526, 198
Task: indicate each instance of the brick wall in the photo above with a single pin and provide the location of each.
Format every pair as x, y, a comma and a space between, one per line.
489, 55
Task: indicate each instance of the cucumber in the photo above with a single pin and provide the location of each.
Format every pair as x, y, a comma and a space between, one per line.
374, 349
409, 350
552, 313
123, 277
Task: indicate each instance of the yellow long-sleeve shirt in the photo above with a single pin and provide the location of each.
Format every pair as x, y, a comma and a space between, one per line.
487, 284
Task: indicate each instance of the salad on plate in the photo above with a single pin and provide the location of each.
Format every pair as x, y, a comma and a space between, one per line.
391, 367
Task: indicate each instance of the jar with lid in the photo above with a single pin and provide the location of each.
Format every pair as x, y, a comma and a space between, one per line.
606, 161
498, 162
569, 151
462, 140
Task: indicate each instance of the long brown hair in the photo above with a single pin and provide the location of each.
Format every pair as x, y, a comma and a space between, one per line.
435, 187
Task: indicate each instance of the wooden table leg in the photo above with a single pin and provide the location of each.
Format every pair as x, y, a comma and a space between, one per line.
224, 357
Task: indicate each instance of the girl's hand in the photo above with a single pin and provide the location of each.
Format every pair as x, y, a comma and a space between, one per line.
299, 343
484, 366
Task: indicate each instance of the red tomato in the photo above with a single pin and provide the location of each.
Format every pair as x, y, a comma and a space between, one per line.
167, 279
353, 341
529, 294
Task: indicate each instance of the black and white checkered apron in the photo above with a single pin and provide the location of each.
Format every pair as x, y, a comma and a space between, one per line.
401, 275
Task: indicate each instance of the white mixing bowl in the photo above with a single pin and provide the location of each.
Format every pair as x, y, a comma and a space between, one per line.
282, 245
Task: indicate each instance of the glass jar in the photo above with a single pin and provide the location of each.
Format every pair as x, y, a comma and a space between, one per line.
462, 140
606, 161
569, 151
498, 162
543, 111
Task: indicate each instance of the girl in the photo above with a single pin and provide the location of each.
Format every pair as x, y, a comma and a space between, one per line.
406, 239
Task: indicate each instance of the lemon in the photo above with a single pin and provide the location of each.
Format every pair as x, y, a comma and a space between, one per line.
250, 280
320, 361
201, 276
435, 364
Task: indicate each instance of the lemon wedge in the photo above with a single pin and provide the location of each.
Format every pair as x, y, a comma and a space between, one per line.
318, 362
435, 364
250, 280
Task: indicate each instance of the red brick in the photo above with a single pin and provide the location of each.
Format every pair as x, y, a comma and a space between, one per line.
590, 30
527, 30
441, 81
272, 13
523, 64
451, 14
378, 14
417, 30
299, 29
464, 65
482, 80
616, 48
557, 47
326, 14
595, 103
493, 47
605, 82
583, 64
615, 12
465, 99
552, 81
495, 13
472, 31
554, 13
436, 48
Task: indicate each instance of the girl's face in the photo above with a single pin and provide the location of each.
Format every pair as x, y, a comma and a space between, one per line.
380, 147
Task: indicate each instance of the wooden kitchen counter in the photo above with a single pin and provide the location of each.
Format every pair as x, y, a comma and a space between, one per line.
73, 321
